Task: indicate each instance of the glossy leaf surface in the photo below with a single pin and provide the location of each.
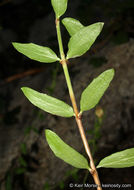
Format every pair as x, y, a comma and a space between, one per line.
120, 159
65, 152
95, 90
82, 40
36, 52
72, 25
48, 103
59, 7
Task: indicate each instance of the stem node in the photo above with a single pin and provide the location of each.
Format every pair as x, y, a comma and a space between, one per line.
61, 62
92, 171
56, 21
80, 115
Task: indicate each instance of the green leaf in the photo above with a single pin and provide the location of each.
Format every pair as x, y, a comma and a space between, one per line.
65, 152
81, 41
59, 7
36, 52
48, 103
120, 159
95, 90
72, 25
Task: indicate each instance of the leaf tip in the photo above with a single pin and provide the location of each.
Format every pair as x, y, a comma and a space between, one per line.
17, 45
24, 90
101, 25
47, 131
14, 44
112, 71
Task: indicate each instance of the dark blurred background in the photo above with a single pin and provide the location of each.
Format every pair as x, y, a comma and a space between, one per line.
26, 162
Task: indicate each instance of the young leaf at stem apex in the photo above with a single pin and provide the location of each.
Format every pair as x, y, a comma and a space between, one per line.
120, 159
72, 25
59, 7
65, 152
95, 90
36, 52
82, 40
48, 103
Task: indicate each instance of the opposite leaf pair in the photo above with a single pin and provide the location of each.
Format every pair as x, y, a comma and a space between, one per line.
89, 98
120, 159
80, 42
81, 37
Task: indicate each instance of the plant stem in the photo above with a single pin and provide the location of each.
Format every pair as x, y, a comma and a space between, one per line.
93, 170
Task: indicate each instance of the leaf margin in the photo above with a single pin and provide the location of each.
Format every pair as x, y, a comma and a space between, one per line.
116, 154
72, 53
23, 48
85, 91
69, 23
48, 133
69, 112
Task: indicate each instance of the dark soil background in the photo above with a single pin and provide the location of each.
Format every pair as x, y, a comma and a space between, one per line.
26, 162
